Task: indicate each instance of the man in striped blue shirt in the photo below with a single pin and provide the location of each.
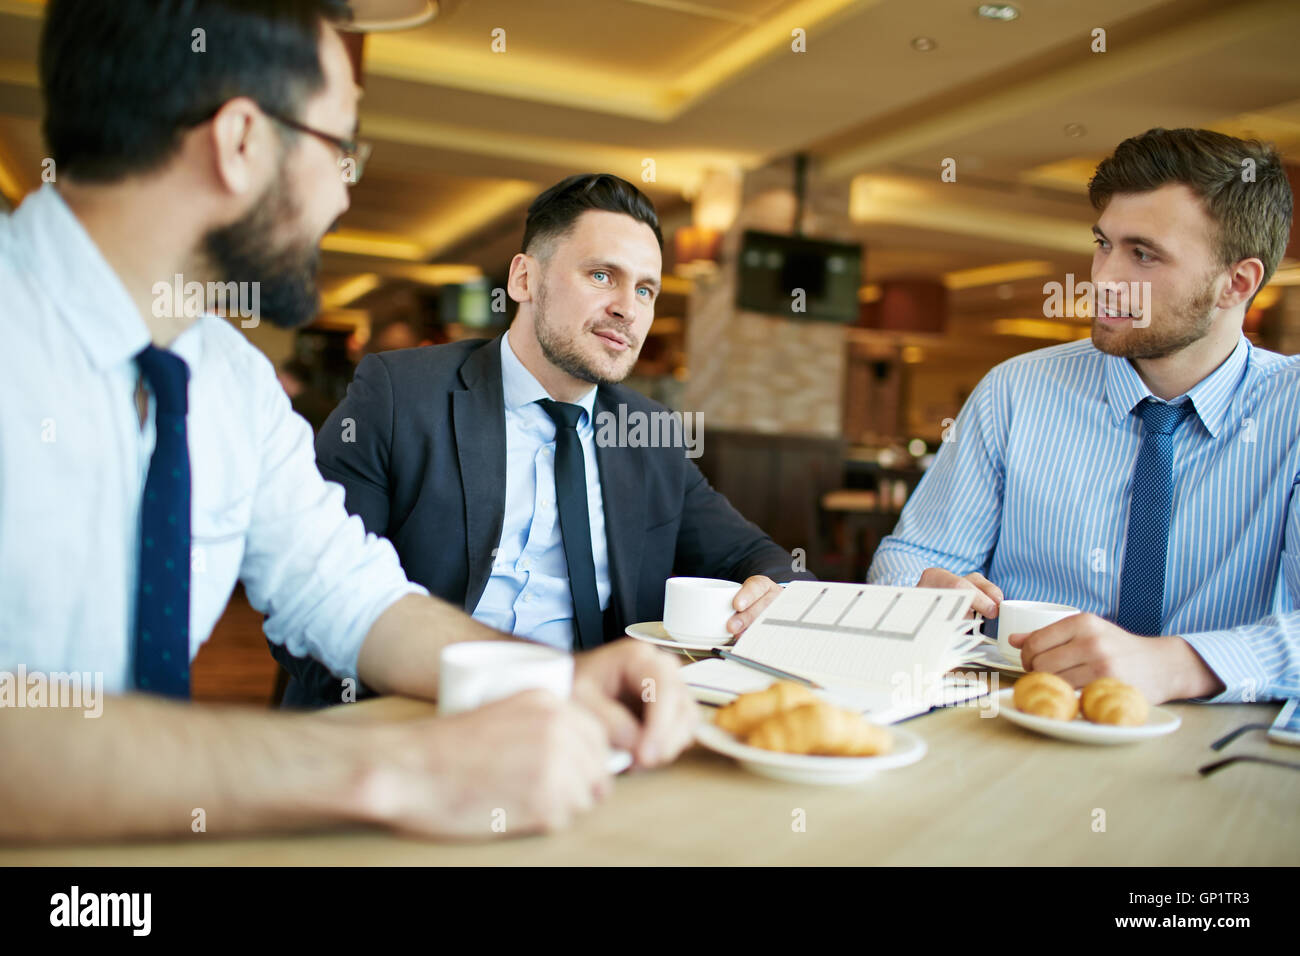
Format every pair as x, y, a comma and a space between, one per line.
1148, 476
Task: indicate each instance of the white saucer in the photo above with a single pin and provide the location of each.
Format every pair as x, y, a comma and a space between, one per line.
652, 632
1159, 722
988, 655
618, 761
801, 768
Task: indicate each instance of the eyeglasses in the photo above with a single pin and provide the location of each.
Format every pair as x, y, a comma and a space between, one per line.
1223, 741
357, 152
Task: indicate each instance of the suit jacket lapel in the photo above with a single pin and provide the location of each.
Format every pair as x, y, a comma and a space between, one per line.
479, 417
622, 486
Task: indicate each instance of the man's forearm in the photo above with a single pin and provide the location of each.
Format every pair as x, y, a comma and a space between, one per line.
401, 651
147, 767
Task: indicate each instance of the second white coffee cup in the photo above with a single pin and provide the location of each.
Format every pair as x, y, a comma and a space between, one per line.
698, 609
1021, 617
475, 673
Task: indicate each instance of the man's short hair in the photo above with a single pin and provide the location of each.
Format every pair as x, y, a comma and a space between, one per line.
553, 213
122, 81
1241, 182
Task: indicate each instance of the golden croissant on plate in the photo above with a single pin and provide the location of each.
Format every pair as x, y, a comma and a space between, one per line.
1110, 701
1045, 695
749, 710
822, 729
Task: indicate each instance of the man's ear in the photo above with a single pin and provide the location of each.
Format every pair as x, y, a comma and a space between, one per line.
1244, 279
242, 146
525, 274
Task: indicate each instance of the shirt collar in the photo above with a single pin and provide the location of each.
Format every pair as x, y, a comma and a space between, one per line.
521, 388
1211, 397
71, 270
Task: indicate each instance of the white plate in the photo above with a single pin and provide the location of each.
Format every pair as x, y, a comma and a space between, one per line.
652, 632
801, 768
1159, 722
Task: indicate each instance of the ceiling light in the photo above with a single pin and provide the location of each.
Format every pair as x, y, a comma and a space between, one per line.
923, 44
1075, 130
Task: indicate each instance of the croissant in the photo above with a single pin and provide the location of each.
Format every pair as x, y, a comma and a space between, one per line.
1092, 690
748, 710
820, 728
1045, 695
1110, 701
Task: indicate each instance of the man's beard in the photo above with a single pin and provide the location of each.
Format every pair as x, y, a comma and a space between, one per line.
245, 251
1182, 324
565, 354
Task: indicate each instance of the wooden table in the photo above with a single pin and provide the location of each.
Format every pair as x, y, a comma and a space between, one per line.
987, 792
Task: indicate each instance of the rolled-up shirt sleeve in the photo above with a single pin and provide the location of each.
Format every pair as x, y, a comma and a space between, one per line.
1261, 661
313, 569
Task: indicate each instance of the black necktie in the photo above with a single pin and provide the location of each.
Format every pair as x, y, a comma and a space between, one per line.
575, 523
162, 608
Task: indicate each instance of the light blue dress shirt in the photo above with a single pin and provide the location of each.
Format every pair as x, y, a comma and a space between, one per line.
1031, 488
73, 461
528, 591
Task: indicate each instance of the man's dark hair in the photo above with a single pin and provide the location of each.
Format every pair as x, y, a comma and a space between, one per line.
123, 80
1241, 182
554, 212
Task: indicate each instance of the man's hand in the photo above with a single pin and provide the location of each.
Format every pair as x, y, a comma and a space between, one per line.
1083, 647
636, 692
987, 594
525, 764
754, 595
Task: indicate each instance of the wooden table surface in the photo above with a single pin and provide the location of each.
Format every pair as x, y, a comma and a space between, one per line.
987, 792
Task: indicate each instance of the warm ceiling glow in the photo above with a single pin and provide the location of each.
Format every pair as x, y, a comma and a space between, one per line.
349, 290
997, 274
381, 245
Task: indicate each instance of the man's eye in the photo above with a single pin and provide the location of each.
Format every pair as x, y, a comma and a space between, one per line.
598, 275
645, 290
1142, 256
1101, 243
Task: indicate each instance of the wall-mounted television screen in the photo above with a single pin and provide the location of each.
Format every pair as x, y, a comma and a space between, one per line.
799, 278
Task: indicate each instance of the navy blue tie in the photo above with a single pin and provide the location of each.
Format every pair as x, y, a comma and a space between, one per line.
575, 522
1142, 580
162, 607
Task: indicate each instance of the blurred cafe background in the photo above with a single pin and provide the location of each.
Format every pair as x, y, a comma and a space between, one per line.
918, 167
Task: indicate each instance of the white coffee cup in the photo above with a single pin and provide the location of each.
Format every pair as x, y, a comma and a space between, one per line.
474, 673
698, 609
1021, 617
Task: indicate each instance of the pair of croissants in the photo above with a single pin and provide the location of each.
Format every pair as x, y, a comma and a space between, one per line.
1104, 701
790, 718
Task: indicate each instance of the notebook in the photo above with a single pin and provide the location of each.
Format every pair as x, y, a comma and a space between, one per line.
883, 651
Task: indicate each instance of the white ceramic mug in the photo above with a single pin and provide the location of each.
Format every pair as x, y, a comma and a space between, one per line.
698, 609
1021, 617
474, 673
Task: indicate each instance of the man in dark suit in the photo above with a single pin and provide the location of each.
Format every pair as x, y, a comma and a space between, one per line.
505, 472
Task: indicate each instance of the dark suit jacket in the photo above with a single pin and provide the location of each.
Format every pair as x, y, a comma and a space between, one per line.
426, 469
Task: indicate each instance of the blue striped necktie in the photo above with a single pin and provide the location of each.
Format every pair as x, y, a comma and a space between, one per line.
1142, 579
162, 607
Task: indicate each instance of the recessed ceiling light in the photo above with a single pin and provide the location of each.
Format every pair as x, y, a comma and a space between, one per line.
923, 44
997, 11
1075, 130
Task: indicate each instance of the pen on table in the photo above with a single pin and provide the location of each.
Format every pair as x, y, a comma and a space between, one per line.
773, 671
